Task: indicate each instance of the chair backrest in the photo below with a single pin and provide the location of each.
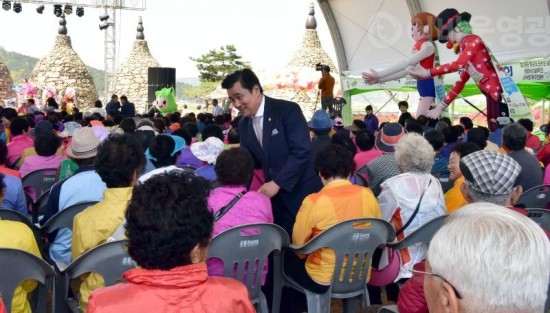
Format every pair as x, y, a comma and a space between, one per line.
360, 179
444, 178
17, 266
40, 180
541, 217
424, 234
110, 260
40, 205
244, 250
64, 218
353, 242
338, 104
536, 197
11, 215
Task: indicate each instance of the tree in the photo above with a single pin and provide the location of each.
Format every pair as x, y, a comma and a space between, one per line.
216, 64
204, 89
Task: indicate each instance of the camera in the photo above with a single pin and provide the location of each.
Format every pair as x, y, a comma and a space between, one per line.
319, 67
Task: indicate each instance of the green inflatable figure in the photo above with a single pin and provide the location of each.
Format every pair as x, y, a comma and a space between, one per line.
166, 101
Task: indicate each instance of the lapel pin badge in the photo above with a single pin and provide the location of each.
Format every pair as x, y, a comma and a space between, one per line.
274, 132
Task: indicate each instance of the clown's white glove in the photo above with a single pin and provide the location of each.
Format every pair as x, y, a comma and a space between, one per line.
418, 72
435, 112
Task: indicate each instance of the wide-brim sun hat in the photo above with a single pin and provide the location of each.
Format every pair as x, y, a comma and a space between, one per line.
208, 150
84, 144
320, 121
70, 129
387, 138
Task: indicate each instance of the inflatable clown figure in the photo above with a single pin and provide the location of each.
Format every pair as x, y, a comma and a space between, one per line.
69, 101
48, 92
474, 60
29, 90
424, 53
25, 92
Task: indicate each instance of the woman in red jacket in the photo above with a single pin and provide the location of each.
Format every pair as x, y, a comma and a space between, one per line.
169, 228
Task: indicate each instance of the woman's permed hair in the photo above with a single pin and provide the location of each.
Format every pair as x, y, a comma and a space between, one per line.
166, 218
119, 158
234, 167
335, 161
413, 153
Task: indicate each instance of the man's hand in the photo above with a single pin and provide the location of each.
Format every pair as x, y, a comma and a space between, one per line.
371, 78
269, 189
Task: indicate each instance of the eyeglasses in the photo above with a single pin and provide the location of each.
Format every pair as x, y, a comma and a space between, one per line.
458, 295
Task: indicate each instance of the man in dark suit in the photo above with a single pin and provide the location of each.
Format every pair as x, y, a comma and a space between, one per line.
275, 133
113, 105
128, 109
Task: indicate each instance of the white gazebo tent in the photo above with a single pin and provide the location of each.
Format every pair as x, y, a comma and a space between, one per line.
376, 33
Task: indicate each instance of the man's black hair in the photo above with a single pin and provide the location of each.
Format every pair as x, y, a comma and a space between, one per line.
246, 77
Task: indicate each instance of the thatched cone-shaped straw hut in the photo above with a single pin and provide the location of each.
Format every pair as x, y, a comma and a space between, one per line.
6, 83
63, 68
131, 77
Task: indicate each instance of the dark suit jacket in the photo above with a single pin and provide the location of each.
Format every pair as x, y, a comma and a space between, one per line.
128, 109
286, 152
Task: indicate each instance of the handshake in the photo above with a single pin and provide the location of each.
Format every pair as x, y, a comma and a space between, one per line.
415, 71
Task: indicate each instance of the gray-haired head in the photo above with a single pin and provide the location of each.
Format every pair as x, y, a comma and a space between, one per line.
413, 153
494, 257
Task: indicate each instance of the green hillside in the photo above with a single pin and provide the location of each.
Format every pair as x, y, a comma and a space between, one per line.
21, 66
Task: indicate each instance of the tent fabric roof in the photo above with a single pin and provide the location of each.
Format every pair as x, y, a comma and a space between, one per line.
376, 33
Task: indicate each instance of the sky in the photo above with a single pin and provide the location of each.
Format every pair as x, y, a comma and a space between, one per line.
265, 32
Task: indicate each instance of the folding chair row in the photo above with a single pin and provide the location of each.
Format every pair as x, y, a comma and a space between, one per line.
244, 251
110, 260
537, 197
63, 219
251, 244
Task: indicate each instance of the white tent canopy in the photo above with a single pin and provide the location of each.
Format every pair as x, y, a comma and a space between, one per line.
376, 33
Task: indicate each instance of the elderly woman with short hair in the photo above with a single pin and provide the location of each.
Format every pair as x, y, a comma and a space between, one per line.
413, 198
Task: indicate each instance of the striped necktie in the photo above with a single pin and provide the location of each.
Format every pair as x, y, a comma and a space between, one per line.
258, 128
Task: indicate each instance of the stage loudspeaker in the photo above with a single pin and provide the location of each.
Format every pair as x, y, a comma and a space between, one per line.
158, 78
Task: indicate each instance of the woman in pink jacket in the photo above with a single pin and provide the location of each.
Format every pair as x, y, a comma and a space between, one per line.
234, 169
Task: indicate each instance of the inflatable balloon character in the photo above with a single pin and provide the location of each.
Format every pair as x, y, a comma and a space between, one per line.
474, 60
29, 90
424, 53
69, 101
49, 92
166, 101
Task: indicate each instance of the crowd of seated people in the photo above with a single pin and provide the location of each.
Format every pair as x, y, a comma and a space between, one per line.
164, 177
